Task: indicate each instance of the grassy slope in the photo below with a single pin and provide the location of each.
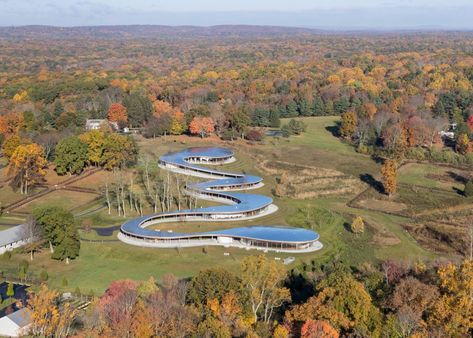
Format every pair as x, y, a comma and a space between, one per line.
100, 263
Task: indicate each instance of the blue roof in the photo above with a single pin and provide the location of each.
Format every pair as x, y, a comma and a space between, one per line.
239, 203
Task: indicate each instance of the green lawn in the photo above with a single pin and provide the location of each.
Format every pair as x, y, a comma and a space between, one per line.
430, 176
101, 262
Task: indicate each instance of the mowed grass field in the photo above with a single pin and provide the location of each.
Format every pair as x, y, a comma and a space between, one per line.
105, 259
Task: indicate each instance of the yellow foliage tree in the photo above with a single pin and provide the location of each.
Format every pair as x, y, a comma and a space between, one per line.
47, 319
357, 226
20, 96
142, 322
177, 123
348, 124
453, 311
95, 140
27, 164
389, 172
263, 280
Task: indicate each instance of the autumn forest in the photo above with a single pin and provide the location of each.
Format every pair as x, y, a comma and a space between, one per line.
366, 138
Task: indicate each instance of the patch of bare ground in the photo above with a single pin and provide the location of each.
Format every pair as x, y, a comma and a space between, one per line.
304, 182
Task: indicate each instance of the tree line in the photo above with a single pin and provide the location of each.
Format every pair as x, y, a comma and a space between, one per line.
262, 299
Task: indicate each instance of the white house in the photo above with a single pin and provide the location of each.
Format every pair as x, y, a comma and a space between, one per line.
94, 124
16, 324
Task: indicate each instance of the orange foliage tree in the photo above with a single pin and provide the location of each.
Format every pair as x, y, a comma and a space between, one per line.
161, 108
202, 126
318, 329
10, 123
117, 113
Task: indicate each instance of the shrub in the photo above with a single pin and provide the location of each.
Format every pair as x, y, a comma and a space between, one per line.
364, 149
255, 135
416, 154
23, 266
468, 189
293, 127
43, 276
469, 158
357, 226
229, 135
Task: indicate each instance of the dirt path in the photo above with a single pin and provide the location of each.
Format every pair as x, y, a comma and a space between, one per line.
65, 185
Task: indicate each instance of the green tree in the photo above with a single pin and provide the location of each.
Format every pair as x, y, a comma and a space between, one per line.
239, 121
275, 122
341, 106
139, 108
319, 107
305, 108
293, 127
70, 156
10, 290
291, 109
60, 230
468, 188
212, 284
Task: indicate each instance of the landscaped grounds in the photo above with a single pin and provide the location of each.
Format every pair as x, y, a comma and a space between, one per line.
314, 159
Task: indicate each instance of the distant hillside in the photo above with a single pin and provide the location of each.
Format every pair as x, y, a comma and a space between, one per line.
149, 31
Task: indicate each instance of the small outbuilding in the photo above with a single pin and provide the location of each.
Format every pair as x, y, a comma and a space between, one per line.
16, 324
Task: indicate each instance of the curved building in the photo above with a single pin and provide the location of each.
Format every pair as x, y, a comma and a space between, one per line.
237, 206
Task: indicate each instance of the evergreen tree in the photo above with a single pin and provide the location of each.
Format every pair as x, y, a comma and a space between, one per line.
439, 109
260, 118
275, 122
291, 109
341, 106
139, 109
329, 110
304, 108
58, 109
10, 290
319, 107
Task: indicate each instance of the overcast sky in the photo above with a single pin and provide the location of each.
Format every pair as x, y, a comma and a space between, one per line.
304, 13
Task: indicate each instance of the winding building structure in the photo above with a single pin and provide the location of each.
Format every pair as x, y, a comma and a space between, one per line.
237, 206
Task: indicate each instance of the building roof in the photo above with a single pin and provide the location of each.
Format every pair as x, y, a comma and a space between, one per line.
240, 203
11, 235
21, 317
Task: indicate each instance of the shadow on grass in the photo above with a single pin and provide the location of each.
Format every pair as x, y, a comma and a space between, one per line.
458, 178
459, 191
334, 130
372, 182
347, 227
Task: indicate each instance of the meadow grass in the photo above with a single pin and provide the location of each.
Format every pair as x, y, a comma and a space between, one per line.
101, 262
